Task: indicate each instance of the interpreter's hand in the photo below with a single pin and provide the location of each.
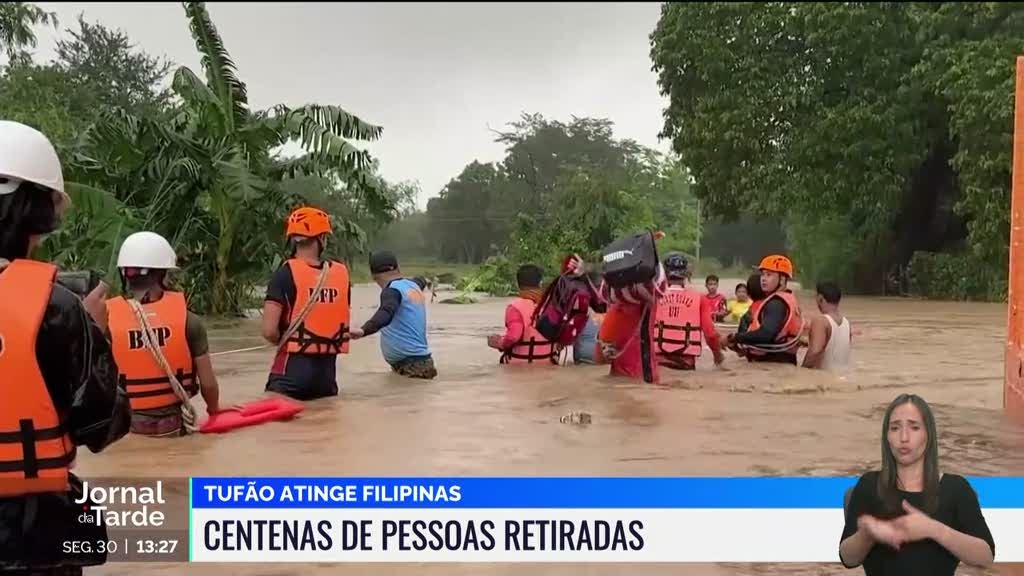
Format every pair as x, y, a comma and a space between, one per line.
882, 531
95, 303
355, 333
916, 525
494, 341
719, 359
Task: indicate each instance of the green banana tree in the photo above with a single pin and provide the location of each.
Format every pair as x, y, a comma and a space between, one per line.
205, 175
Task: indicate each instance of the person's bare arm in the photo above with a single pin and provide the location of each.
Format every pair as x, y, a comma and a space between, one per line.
856, 547
271, 320
817, 340
208, 383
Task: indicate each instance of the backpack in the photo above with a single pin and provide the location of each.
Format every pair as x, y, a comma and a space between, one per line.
631, 270
630, 261
563, 310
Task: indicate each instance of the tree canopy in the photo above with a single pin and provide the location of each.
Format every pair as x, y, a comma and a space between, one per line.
872, 130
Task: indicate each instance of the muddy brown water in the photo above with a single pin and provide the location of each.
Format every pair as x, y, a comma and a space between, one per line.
478, 418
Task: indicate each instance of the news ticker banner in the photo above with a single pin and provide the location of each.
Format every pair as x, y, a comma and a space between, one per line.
521, 520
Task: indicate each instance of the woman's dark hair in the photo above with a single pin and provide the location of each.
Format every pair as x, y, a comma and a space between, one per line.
754, 287
888, 480
26, 212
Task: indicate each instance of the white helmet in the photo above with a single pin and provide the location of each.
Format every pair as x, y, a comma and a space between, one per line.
27, 155
147, 250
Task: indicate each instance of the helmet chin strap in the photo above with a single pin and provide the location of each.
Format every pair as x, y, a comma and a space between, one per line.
142, 295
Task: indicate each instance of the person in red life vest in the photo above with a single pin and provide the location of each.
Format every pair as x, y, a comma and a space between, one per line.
306, 312
522, 343
684, 316
625, 339
775, 321
144, 260
717, 299
58, 376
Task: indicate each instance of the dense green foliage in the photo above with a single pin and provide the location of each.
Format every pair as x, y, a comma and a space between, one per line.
872, 130
195, 164
563, 187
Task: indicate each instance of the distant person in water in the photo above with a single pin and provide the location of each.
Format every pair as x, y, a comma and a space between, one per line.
717, 300
401, 320
522, 343
738, 307
755, 294
830, 338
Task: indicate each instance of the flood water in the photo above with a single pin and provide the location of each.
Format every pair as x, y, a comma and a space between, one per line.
481, 419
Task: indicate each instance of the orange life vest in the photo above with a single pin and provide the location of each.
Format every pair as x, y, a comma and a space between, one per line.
678, 328
790, 330
532, 347
325, 326
35, 449
146, 383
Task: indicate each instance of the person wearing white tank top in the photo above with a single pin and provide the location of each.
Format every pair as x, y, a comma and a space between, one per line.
830, 338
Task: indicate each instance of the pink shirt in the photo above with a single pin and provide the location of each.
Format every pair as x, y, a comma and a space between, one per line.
514, 327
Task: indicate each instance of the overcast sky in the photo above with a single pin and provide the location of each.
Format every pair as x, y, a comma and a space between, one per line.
435, 76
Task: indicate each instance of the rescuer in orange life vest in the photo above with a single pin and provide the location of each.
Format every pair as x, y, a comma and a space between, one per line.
684, 315
775, 320
316, 331
58, 378
144, 261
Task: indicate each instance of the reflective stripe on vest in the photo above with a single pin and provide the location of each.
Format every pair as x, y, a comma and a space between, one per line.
35, 449
532, 347
146, 383
324, 327
678, 323
790, 329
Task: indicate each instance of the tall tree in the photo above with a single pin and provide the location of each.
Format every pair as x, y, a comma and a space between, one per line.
788, 111
16, 22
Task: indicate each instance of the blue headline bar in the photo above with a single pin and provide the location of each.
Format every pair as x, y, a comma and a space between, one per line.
703, 492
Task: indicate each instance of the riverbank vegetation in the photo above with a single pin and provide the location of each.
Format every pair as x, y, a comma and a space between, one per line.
870, 141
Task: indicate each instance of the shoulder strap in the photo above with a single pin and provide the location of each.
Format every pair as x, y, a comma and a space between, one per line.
310, 302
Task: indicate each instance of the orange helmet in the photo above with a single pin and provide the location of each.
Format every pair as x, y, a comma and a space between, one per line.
309, 222
777, 263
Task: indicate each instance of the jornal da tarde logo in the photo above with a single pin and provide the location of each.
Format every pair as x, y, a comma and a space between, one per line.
122, 506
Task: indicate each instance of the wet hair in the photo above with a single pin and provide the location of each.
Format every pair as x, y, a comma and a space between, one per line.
754, 287
888, 487
830, 292
741, 285
529, 276
711, 278
26, 212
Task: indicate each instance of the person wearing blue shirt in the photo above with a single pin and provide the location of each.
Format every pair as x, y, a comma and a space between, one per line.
401, 320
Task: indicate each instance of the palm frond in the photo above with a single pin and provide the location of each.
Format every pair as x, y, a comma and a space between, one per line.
199, 97
237, 181
221, 73
335, 119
